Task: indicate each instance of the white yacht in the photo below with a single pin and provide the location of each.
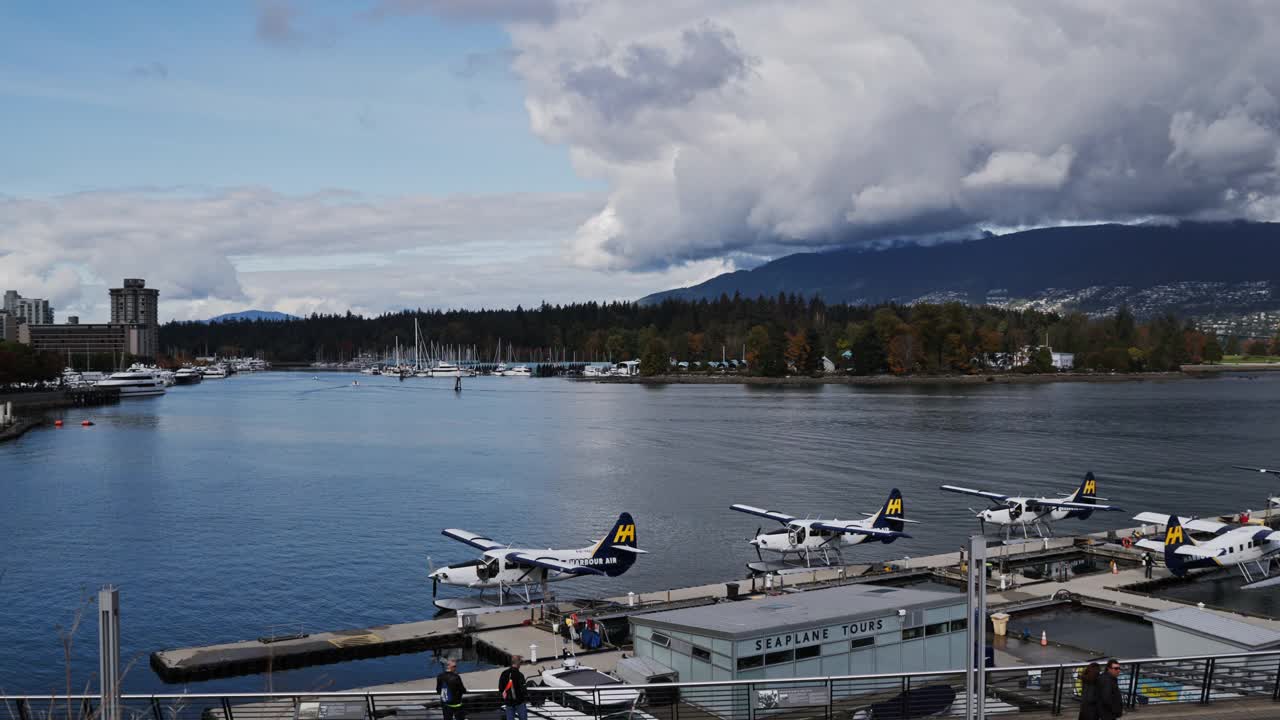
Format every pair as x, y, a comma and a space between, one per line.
134, 383
583, 696
447, 369
187, 376
518, 371
214, 372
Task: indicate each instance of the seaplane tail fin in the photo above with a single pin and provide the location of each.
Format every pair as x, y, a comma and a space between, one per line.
891, 515
1087, 493
1174, 538
617, 550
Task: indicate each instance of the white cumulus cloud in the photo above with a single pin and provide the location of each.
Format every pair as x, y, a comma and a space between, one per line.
765, 126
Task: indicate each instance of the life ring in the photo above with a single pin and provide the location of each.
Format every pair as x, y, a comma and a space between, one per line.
1127, 543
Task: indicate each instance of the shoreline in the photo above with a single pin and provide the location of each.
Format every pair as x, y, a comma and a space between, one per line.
18, 429
889, 380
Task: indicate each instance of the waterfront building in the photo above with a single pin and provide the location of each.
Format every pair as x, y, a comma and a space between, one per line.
89, 339
8, 326
35, 311
851, 630
137, 306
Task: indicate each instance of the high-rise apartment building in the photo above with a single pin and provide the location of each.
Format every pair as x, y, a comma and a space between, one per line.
35, 311
136, 306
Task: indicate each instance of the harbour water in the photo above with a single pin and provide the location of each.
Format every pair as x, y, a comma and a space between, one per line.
279, 499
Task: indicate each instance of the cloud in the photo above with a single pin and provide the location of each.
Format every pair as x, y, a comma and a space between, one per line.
763, 126
282, 23
542, 11
213, 252
150, 71
1022, 170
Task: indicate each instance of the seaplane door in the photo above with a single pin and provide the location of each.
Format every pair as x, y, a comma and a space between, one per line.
488, 568
796, 535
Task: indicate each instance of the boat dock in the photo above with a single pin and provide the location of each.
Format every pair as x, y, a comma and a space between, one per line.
497, 636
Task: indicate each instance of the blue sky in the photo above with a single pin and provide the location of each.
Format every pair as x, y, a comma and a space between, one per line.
318, 156
189, 94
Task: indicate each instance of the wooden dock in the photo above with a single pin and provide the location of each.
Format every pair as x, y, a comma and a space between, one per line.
262, 655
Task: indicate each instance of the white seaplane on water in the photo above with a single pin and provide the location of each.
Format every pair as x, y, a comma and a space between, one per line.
1010, 511
518, 570
814, 540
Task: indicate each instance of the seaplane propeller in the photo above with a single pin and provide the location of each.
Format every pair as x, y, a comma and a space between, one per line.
982, 521
756, 545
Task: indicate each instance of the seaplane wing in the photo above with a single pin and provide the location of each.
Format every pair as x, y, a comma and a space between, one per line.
980, 493
1256, 469
853, 528
1209, 526
1072, 505
1200, 552
1264, 536
476, 541
1151, 545
771, 514
551, 563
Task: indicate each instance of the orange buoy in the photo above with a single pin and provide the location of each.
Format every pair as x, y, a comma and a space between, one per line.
86, 423
57, 423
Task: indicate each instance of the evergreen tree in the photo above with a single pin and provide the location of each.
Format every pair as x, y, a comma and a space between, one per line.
1212, 350
655, 360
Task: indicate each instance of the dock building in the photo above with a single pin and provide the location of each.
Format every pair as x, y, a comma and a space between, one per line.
857, 629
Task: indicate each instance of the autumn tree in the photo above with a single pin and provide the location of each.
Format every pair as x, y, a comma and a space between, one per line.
655, 360
1212, 350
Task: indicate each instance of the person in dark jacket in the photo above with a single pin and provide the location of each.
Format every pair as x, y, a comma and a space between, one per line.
511, 689
1089, 692
1148, 562
1110, 701
449, 686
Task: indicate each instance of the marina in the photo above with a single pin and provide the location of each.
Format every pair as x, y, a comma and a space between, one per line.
583, 453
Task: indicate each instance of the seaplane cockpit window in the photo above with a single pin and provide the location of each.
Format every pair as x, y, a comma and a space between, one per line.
797, 534
510, 565
488, 568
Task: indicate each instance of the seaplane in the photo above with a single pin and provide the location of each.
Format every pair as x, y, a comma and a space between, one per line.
1011, 511
1240, 546
516, 571
1273, 501
814, 540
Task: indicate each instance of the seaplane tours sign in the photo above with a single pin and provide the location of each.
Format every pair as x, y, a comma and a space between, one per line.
817, 635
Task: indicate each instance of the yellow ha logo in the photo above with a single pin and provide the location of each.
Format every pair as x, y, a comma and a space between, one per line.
625, 533
1090, 487
894, 507
1173, 535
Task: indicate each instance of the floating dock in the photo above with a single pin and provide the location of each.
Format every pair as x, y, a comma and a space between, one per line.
265, 654
497, 636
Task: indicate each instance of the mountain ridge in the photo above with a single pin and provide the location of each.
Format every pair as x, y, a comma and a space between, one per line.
252, 315
1192, 268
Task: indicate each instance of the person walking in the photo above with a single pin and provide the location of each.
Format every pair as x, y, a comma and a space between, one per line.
449, 686
1089, 692
511, 688
1148, 562
1110, 701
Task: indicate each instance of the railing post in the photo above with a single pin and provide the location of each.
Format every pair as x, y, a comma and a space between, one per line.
226, 709
109, 652
906, 690
155, 709
1132, 700
1275, 693
24, 712
1207, 690
371, 704
596, 705
1057, 690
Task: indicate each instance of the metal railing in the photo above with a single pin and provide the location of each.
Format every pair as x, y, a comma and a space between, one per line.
1043, 689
